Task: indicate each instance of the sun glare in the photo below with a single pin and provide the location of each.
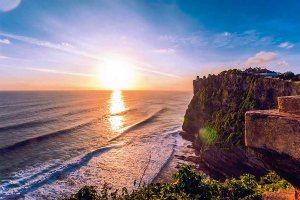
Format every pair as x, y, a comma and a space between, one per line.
116, 74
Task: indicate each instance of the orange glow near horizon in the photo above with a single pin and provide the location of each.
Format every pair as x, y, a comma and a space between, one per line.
116, 74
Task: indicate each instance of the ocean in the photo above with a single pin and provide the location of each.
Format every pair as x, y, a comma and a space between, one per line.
53, 143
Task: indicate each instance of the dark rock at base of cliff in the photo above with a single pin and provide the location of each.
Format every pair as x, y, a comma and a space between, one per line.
283, 164
226, 162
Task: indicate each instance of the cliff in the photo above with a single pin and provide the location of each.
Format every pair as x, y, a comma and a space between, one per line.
216, 114
220, 102
275, 134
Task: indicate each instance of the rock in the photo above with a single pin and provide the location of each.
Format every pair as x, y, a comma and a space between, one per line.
289, 104
276, 136
232, 161
288, 194
220, 102
273, 130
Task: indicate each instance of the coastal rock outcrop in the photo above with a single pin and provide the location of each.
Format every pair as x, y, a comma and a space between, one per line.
219, 103
275, 134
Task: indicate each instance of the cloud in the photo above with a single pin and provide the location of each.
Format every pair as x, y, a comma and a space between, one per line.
221, 39
4, 41
286, 45
165, 51
8, 5
65, 44
226, 34
262, 57
193, 39
283, 63
140, 65
59, 72
37, 42
3, 57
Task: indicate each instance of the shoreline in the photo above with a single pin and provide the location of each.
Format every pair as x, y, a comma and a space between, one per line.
211, 161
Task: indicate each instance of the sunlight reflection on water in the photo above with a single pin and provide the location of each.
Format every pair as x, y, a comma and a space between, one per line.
116, 106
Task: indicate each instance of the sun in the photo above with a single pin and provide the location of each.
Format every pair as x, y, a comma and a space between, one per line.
116, 74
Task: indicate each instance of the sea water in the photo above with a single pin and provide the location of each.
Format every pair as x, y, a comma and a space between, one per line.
53, 143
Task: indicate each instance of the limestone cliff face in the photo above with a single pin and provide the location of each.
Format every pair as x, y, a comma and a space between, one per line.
220, 102
275, 134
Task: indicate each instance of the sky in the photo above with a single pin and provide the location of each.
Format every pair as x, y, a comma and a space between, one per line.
68, 44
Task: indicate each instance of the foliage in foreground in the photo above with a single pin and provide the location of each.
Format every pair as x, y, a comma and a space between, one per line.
188, 184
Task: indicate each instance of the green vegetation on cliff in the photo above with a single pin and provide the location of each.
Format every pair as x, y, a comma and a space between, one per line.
220, 101
188, 184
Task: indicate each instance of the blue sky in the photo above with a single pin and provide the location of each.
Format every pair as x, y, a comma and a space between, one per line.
61, 44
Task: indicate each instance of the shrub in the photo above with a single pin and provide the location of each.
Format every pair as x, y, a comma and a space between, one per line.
188, 184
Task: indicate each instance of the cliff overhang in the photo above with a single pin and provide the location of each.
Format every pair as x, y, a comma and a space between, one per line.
275, 134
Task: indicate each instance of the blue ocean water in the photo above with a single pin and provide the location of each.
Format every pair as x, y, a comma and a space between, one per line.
53, 143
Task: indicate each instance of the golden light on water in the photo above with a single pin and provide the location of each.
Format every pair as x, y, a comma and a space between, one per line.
116, 106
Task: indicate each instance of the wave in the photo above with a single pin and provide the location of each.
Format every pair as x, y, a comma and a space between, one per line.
144, 121
85, 110
18, 188
49, 175
162, 167
123, 112
46, 136
23, 104
139, 124
51, 134
25, 124
45, 121
29, 112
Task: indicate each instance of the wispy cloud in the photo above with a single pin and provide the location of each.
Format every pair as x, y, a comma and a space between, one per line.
8, 5
4, 41
141, 65
191, 39
43, 43
58, 72
3, 57
283, 63
165, 51
222, 39
66, 44
286, 45
262, 57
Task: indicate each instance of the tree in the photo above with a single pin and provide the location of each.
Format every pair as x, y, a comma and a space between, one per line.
288, 75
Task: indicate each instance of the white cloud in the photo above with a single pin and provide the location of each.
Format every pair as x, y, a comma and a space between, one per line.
283, 63
165, 51
65, 44
226, 34
3, 57
4, 41
58, 72
262, 57
35, 41
8, 5
286, 45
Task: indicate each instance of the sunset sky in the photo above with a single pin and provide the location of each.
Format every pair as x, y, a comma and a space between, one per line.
141, 44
